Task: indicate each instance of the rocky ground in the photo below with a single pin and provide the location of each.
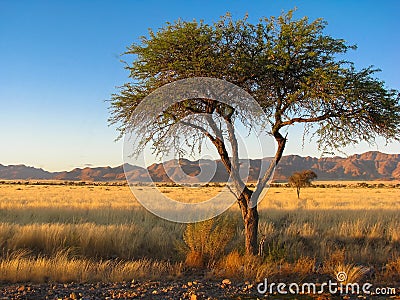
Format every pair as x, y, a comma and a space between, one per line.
144, 290
193, 290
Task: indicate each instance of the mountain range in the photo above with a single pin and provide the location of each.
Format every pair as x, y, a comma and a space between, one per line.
367, 166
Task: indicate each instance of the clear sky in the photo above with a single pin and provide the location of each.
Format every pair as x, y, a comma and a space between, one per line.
59, 62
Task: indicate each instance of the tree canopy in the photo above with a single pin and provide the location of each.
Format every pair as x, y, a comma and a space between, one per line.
289, 66
301, 179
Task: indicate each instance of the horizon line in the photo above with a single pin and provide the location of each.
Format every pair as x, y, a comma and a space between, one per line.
90, 166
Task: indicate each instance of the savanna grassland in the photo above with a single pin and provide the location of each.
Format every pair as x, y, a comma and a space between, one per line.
100, 233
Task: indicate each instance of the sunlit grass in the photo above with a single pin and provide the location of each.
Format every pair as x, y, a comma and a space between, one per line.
48, 231
61, 267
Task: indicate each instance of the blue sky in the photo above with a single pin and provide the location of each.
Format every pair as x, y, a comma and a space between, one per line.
59, 61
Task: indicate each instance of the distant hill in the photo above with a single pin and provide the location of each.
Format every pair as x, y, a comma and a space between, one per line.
24, 172
367, 166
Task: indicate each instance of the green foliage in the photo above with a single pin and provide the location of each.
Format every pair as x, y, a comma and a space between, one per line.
302, 178
276, 251
291, 67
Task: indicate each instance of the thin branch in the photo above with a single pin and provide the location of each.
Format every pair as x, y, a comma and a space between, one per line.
214, 127
306, 120
278, 155
232, 191
235, 156
204, 131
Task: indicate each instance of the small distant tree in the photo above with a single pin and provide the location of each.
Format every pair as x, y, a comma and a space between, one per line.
301, 179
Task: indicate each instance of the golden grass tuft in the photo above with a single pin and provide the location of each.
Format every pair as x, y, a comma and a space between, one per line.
206, 241
21, 267
232, 265
304, 265
194, 259
336, 258
391, 271
239, 267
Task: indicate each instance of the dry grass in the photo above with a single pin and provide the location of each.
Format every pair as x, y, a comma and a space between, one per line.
345, 198
391, 271
62, 267
207, 241
101, 233
126, 241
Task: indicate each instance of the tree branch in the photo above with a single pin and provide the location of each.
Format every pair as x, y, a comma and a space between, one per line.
205, 132
278, 155
306, 120
235, 157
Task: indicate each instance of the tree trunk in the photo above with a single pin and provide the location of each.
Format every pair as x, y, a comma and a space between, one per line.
248, 206
250, 220
298, 192
248, 210
251, 231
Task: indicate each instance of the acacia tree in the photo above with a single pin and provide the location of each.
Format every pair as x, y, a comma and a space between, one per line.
301, 179
290, 67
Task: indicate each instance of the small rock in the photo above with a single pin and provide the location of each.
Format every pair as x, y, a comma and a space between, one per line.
226, 281
193, 297
247, 287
